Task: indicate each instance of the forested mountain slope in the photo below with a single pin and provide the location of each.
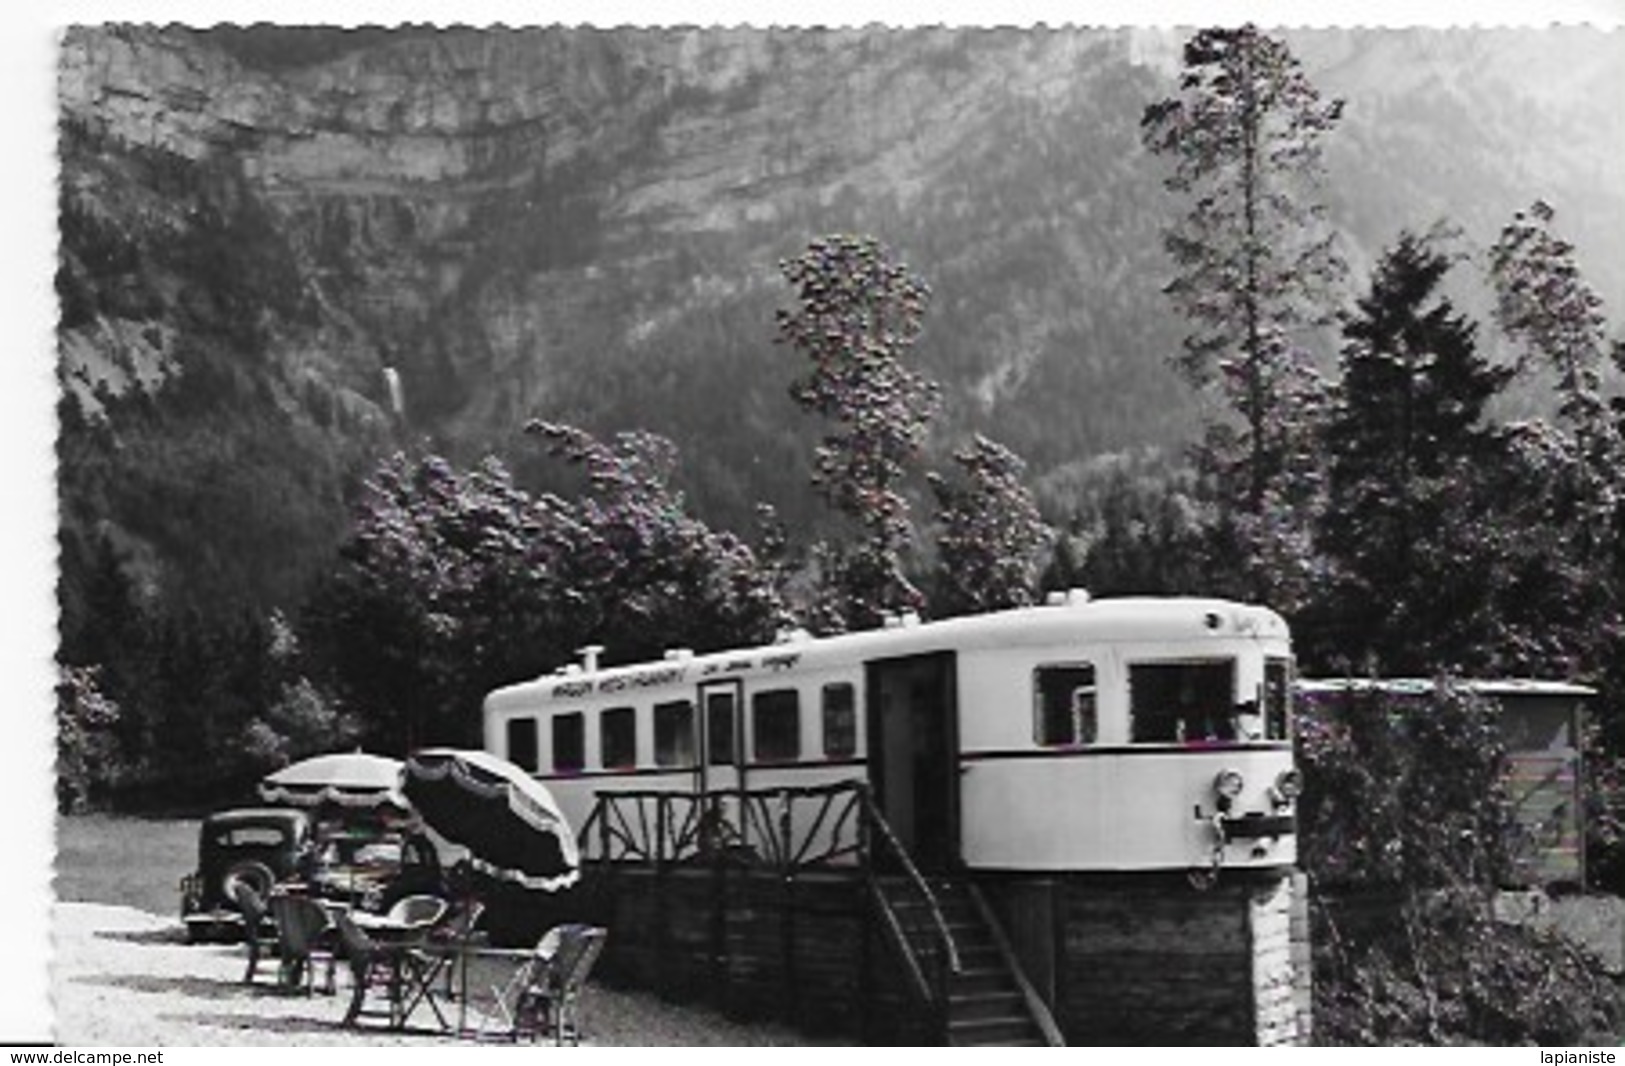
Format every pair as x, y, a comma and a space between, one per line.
263, 229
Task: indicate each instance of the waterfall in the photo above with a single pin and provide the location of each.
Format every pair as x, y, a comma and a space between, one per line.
397, 398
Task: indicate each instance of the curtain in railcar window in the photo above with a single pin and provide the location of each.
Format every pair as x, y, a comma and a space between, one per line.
618, 738
1065, 695
719, 728
840, 721
521, 737
569, 742
1277, 698
674, 733
775, 719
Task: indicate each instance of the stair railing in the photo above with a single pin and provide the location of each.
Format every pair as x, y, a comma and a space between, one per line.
915, 921
1037, 1009
789, 830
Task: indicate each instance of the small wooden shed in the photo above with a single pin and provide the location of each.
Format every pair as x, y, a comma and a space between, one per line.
1542, 723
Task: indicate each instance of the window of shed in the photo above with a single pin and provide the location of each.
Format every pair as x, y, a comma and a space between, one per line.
775, 720
569, 742
840, 721
674, 733
618, 737
1066, 713
1183, 702
521, 737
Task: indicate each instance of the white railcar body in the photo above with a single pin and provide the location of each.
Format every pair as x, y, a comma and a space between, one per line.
1106, 735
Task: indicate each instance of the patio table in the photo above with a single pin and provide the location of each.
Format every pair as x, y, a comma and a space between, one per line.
413, 962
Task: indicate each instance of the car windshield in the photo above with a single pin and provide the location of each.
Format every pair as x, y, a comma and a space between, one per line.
360, 851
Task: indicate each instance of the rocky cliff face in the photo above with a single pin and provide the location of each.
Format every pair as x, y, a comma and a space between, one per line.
585, 225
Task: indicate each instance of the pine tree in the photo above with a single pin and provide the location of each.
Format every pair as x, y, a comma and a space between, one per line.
1256, 261
1408, 455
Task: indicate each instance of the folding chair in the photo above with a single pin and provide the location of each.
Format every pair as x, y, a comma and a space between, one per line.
456, 930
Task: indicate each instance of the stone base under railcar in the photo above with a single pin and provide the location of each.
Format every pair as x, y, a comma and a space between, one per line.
1148, 959
1120, 959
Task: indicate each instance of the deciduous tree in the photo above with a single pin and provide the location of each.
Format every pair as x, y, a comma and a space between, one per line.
85, 746
453, 583
990, 539
858, 313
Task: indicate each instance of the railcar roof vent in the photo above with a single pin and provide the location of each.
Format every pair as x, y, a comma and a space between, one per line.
1055, 599
791, 635
589, 656
679, 655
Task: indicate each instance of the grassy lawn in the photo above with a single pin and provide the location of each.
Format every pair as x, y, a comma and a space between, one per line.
135, 862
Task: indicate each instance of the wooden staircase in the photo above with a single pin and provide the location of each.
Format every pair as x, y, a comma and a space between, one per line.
989, 1002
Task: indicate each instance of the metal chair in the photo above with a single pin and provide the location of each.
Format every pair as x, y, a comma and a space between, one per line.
548, 1002
256, 934
371, 968
305, 937
417, 911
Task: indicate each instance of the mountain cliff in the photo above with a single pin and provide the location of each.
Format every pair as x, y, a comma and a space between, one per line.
285, 251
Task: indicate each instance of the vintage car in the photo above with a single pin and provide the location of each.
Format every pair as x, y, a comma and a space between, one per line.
363, 861
256, 846
371, 866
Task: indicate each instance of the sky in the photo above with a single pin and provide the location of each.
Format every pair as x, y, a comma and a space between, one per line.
27, 639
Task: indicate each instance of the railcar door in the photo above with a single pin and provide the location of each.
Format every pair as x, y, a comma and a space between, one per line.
721, 754
913, 753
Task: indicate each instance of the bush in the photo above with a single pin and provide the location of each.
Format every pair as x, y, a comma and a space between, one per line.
1437, 968
1406, 829
1403, 791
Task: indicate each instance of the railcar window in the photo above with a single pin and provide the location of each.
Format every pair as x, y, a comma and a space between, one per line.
522, 743
840, 721
719, 728
618, 737
1066, 704
1174, 702
569, 741
775, 723
674, 733
1277, 698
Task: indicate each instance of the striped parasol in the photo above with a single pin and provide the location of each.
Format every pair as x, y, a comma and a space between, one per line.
505, 819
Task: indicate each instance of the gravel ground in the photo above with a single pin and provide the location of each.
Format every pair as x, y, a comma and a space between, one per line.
124, 977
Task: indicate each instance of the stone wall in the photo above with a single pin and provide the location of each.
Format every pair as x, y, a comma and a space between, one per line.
1149, 959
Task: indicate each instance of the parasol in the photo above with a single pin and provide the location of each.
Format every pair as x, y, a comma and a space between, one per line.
346, 779
505, 819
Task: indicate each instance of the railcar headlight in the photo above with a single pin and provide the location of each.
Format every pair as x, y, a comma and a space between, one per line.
1289, 783
1227, 786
